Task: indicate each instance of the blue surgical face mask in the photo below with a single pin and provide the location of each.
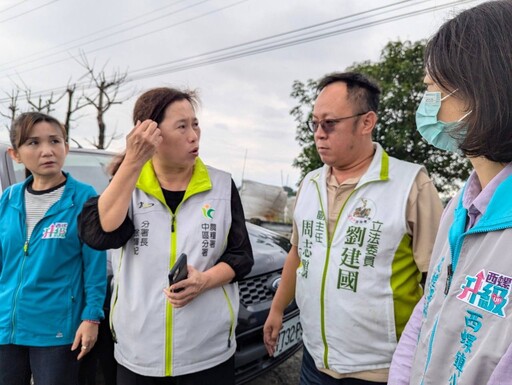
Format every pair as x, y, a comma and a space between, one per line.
437, 133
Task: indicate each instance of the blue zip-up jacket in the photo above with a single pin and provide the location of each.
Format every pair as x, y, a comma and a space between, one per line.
467, 315
53, 282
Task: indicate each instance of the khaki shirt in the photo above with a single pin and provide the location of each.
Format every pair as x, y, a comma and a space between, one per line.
424, 209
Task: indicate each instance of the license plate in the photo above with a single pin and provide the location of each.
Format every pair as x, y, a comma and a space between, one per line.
289, 336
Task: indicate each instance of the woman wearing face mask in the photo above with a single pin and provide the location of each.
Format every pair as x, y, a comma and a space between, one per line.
461, 331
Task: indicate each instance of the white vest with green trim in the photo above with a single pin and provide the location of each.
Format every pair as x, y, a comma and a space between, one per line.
357, 290
153, 338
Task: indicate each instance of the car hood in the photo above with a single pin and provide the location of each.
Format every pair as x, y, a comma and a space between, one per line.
269, 249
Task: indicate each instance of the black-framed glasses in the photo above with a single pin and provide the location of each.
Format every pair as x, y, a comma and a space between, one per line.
328, 125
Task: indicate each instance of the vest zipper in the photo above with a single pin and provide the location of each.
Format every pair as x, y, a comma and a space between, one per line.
112, 310
231, 316
114, 299
169, 308
454, 260
449, 276
169, 324
326, 264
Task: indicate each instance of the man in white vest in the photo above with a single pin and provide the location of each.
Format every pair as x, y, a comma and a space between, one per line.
364, 226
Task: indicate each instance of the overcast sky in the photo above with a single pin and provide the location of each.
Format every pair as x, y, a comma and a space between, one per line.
182, 43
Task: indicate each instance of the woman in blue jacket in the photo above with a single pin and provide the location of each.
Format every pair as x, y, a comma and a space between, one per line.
52, 285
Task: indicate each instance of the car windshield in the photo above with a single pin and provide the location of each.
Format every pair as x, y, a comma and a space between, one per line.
87, 167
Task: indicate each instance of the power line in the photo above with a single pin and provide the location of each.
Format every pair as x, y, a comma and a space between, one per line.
273, 45
13, 6
129, 39
169, 26
252, 51
286, 36
410, 2
130, 28
29, 11
260, 49
45, 51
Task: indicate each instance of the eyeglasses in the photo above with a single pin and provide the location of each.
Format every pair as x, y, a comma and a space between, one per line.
328, 125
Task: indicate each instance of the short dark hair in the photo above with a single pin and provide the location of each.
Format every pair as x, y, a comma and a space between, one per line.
472, 53
21, 126
153, 103
362, 91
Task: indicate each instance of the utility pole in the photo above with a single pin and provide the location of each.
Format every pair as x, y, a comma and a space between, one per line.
243, 168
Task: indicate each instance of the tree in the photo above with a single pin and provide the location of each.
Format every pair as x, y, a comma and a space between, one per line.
73, 106
399, 73
106, 94
12, 106
45, 106
308, 159
100, 92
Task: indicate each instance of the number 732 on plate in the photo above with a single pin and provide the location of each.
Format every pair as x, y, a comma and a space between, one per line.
289, 335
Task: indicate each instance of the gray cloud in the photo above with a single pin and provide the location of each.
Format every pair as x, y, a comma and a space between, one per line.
246, 101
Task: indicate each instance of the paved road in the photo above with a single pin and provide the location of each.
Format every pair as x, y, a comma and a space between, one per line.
285, 374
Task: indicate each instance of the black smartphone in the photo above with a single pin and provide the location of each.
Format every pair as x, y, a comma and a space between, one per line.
179, 271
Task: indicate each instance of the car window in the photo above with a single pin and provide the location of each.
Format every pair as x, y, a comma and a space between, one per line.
87, 167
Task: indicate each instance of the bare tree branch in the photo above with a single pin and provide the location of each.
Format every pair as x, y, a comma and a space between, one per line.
46, 106
73, 105
105, 95
76, 142
12, 106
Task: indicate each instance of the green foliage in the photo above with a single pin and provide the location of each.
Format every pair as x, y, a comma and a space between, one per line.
400, 74
305, 93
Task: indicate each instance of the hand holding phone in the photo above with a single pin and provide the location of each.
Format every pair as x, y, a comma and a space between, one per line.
179, 271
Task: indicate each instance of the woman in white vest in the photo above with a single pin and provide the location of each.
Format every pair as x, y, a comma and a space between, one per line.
461, 332
162, 202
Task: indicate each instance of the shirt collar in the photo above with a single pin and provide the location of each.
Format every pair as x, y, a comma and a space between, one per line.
331, 180
476, 200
